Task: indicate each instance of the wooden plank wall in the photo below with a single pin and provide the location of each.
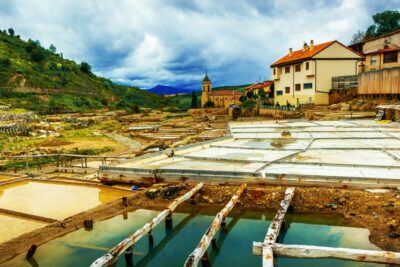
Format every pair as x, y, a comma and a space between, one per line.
386, 81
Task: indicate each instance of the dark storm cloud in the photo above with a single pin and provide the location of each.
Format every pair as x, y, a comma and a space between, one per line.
149, 42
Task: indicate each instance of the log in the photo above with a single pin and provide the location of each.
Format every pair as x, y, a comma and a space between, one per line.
112, 256
275, 228
195, 257
316, 252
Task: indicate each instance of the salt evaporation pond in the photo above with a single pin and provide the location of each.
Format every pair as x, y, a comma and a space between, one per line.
55, 201
172, 247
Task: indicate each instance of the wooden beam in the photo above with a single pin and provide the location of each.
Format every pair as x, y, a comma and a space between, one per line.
276, 224
275, 228
316, 252
112, 256
195, 257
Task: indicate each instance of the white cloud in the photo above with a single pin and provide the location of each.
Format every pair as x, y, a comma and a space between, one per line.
151, 42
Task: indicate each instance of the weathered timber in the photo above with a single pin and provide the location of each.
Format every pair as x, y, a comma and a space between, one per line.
195, 257
276, 224
275, 228
315, 252
112, 256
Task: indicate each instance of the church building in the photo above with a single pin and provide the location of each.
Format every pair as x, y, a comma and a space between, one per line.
220, 98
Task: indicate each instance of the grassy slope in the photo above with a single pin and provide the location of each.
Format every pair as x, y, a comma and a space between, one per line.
19, 69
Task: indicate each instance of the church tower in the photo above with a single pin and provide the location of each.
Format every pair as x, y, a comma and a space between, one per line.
206, 87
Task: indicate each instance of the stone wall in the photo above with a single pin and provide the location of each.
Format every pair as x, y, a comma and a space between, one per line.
279, 114
215, 111
336, 96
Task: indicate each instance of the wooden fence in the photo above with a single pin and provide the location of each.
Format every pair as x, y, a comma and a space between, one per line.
378, 82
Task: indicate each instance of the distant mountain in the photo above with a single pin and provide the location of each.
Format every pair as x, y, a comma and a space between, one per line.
168, 90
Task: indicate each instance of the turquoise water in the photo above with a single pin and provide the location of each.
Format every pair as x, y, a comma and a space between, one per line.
171, 247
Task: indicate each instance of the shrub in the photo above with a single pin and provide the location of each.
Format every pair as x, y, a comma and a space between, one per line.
85, 67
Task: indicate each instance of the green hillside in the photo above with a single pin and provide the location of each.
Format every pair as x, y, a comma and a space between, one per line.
26, 64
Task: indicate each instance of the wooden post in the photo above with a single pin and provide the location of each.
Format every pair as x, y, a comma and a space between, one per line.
112, 256
129, 256
85, 162
201, 249
275, 228
205, 260
88, 224
316, 252
125, 201
15, 166
31, 252
151, 239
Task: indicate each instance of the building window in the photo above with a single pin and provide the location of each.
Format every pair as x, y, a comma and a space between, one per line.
287, 69
307, 86
297, 68
307, 65
274, 70
298, 87
390, 57
374, 60
287, 90
279, 93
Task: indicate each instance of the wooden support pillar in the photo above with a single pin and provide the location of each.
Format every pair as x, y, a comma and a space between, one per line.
205, 260
168, 221
151, 239
125, 201
88, 224
129, 256
31, 252
82, 162
214, 243
85, 162
15, 166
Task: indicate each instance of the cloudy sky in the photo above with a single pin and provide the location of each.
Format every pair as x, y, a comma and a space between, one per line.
172, 42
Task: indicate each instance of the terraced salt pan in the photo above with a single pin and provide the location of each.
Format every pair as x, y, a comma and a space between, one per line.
280, 143
11, 227
241, 154
269, 135
349, 135
55, 201
356, 143
330, 171
354, 157
193, 164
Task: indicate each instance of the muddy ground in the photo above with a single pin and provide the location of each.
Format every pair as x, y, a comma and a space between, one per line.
378, 212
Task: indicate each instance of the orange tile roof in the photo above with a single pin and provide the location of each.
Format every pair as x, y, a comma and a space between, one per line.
259, 85
300, 54
384, 50
225, 93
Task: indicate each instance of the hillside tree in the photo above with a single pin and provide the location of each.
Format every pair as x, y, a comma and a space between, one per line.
384, 22
85, 67
11, 31
358, 37
52, 48
194, 100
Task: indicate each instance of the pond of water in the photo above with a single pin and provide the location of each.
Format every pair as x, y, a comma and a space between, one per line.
172, 246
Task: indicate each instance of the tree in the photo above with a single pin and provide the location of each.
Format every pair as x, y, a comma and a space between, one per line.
37, 55
209, 104
243, 99
85, 67
194, 99
250, 94
52, 48
11, 31
358, 37
384, 22
261, 93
